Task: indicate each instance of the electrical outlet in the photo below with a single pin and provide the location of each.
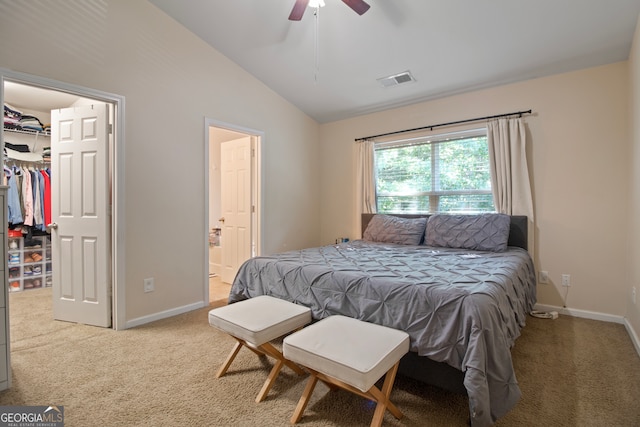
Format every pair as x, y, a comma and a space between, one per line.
543, 277
149, 285
566, 280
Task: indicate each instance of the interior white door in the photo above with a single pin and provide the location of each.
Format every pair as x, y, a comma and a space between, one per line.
80, 215
235, 205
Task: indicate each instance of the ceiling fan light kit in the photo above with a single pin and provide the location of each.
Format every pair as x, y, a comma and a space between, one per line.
358, 6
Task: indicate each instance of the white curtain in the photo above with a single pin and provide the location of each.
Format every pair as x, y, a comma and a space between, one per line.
366, 177
509, 171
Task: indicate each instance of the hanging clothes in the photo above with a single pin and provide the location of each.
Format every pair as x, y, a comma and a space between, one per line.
27, 197
42, 225
37, 200
46, 175
13, 197
19, 181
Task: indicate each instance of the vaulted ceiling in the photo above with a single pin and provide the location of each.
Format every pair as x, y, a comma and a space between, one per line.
329, 64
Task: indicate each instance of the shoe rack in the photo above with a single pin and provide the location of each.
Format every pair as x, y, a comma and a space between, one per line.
29, 263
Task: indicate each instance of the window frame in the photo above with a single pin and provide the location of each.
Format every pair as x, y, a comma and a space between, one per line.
435, 194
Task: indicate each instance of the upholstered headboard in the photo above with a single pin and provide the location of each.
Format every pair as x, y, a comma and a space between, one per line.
518, 232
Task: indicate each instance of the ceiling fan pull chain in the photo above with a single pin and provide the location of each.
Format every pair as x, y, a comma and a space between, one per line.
316, 47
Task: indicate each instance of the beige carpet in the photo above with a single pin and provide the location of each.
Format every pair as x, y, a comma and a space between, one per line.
572, 372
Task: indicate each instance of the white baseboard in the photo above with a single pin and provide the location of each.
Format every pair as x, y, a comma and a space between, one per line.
634, 336
163, 314
594, 315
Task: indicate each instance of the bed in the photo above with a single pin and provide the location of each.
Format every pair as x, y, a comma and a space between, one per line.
460, 285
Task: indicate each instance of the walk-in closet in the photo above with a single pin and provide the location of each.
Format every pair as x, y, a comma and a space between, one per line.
60, 156
27, 174
28, 177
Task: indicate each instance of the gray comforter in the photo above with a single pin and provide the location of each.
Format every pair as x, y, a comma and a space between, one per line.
465, 308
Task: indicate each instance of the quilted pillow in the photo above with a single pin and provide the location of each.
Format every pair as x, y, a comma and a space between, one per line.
485, 232
391, 229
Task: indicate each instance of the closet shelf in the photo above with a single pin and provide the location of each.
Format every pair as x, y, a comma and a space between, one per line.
16, 156
28, 132
31, 156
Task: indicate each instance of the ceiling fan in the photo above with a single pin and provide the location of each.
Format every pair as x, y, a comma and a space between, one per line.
358, 6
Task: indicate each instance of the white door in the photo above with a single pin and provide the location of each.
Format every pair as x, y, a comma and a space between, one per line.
235, 205
80, 215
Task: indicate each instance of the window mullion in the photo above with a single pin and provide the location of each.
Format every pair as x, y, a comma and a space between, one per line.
434, 200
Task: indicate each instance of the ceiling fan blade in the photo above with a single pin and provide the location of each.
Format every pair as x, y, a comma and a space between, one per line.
298, 10
358, 6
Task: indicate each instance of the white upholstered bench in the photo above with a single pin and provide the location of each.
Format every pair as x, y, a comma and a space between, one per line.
255, 322
351, 354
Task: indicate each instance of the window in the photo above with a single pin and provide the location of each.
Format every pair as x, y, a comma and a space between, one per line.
445, 173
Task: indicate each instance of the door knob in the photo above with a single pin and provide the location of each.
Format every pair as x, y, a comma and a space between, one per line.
221, 220
52, 226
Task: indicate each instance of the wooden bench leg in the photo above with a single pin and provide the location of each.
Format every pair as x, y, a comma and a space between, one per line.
257, 350
382, 398
280, 362
260, 350
227, 363
304, 399
273, 352
270, 380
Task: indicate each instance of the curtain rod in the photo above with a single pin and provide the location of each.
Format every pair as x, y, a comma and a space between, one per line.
518, 113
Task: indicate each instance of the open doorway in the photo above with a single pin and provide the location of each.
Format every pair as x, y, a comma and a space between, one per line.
233, 194
36, 94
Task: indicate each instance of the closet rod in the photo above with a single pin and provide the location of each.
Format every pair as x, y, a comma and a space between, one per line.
516, 113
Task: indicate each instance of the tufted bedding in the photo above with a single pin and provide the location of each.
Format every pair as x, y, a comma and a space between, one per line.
460, 306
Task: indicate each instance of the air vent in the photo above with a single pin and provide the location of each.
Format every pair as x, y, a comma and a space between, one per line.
397, 79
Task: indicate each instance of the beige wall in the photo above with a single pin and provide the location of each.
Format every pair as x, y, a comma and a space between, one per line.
171, 81
579, 150
633, 310
578, 155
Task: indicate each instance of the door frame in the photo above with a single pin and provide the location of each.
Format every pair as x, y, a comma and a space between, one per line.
116, 168
257, 138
